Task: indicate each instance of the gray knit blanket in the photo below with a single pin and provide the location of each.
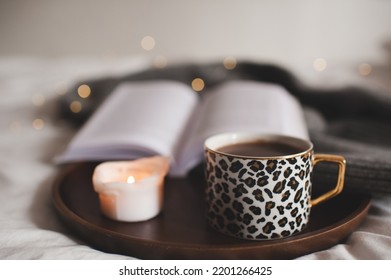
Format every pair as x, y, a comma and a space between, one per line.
352, 121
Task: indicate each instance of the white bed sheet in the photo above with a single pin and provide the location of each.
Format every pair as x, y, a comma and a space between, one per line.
29, 229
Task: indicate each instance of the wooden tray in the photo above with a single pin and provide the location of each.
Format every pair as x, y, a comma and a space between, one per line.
181, 232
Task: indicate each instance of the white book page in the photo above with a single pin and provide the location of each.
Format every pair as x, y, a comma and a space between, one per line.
137, 119
243, 106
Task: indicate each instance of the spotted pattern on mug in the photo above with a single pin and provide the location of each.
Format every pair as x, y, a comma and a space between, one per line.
258, 198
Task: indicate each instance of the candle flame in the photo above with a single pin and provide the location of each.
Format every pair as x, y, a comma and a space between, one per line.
131, 180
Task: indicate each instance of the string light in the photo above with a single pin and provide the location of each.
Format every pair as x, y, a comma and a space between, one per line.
198, 84
320, 64
160, 62
148, 43
365, 69
84, 91
75, 107
230, 62
38, 124
38, 99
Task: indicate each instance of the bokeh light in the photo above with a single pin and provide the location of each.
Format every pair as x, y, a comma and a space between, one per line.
75, 107
320, 64
148, 43
38, 124
84, 91
198, 84
365, 69
160, 62
230, 62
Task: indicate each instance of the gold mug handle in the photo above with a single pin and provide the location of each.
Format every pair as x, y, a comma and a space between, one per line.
341, 176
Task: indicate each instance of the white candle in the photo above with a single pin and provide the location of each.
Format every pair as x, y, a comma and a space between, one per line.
131, 191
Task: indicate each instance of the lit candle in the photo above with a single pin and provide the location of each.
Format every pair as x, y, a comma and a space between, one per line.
131, 191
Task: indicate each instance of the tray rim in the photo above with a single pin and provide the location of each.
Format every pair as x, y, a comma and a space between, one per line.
355, 217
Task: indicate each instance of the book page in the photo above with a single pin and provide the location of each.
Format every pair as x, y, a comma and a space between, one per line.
243, 106
137, 119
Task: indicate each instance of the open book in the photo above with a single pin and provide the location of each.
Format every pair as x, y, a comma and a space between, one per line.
168, 118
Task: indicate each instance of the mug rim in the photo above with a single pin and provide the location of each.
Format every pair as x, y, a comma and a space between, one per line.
238, 137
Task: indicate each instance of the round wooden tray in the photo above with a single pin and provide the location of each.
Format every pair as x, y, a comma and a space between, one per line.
181, 231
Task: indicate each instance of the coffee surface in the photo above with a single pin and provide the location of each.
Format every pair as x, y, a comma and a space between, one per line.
260, 149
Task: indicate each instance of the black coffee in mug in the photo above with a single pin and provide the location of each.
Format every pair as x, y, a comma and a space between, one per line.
260, 149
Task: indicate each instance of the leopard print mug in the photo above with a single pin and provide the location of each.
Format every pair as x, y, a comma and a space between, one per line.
262, 197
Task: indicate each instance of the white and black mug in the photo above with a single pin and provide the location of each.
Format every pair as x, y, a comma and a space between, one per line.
259, 186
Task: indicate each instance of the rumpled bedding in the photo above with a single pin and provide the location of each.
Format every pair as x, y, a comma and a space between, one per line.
32, 134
